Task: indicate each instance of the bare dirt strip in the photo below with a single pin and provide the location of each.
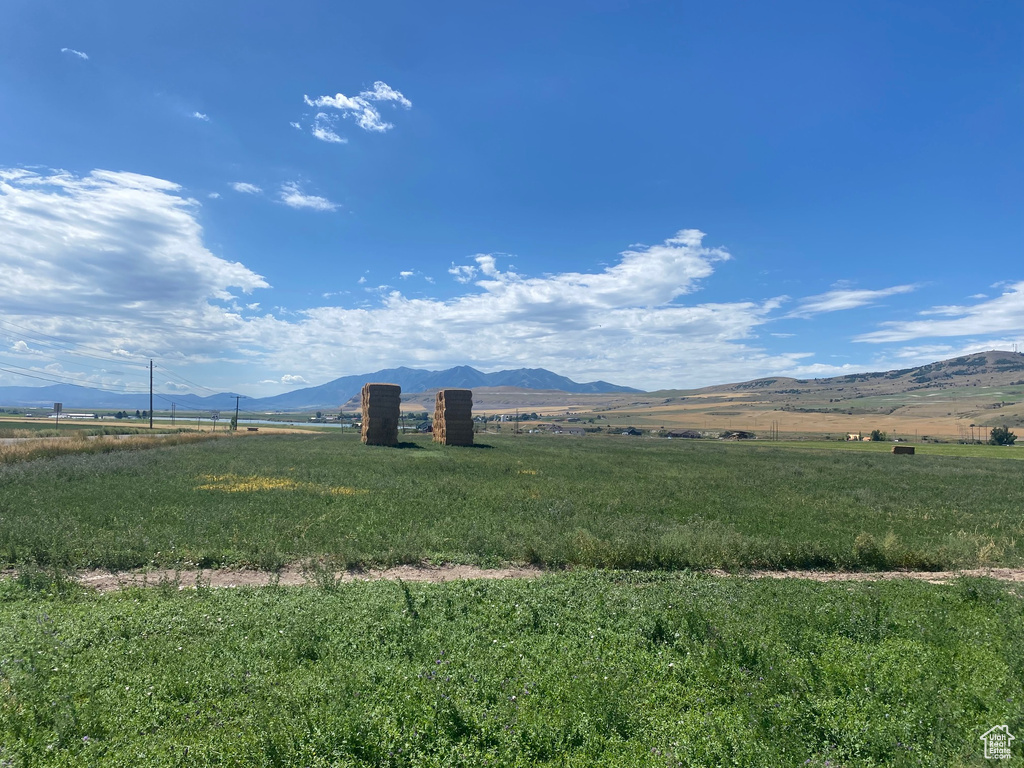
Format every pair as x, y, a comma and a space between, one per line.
302, 575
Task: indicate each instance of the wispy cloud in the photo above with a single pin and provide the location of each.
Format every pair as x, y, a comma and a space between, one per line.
845, 298
201, 116
214, 195
361, 108
1002, 314
463, 273
73, 52
245, 187
323, 129
292, 196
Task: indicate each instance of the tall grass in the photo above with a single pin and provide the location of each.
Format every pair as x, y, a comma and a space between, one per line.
605, 502
79, 442
584, 669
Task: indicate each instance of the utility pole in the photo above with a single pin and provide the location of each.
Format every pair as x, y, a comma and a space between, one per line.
150, 394
172, 413
237, 398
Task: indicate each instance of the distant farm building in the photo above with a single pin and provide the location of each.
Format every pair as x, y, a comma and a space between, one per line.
689, 434
558, 429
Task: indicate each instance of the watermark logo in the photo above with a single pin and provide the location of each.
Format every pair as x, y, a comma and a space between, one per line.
997, 742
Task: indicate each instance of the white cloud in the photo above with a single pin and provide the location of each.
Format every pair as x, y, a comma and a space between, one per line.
845, 298
1002, 314
293, 379
361, 108
463, 273
323, 129
73, 52
253, 307
361, 281
115, 260
406, 274
623, 322
292, 196
200, 116
24, 349
173, 386
214, 195
245, 187
296, 126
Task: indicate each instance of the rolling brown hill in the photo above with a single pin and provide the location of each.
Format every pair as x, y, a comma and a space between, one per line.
950, 399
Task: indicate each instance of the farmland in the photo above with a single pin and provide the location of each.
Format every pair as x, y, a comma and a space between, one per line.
598, 501
620, 654
581, 669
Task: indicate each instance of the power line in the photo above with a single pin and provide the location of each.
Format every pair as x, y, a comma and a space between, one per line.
68, 380
67, 347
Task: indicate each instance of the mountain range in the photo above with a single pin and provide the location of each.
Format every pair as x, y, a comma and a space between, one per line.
325, 396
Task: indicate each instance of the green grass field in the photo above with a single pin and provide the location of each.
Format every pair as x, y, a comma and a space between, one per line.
598, 501
593, 668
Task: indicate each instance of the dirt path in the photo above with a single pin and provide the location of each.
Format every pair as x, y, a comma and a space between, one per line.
297, 576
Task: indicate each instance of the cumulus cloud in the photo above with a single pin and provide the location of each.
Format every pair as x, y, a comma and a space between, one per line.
289, 378
245, 187
463, 273
602, 324
114, 260
200, 116
407, 273
23, 349
292, 196
1002, 314
361, 108
845, 298
73, 52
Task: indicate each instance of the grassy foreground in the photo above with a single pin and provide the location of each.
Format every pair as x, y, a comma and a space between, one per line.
606, 502
583, 669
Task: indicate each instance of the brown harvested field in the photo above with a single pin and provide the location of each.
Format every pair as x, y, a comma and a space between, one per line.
943, 400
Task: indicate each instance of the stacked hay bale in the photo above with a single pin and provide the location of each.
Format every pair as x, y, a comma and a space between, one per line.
453, 417
381, 406
907, 450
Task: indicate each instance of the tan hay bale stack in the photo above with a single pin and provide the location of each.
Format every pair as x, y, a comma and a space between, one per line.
381, 413
453, 417
904, 449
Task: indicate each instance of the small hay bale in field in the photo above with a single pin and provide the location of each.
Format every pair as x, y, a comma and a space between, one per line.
904, 449
381, 413
453, 417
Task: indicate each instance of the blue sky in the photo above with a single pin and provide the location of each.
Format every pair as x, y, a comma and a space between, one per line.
659, 194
